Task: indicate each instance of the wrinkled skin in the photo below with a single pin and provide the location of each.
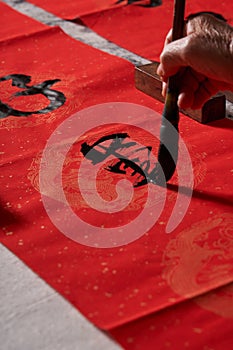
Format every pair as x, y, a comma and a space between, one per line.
203, 58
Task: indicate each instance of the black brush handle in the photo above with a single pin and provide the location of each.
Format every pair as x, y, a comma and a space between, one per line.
171, 111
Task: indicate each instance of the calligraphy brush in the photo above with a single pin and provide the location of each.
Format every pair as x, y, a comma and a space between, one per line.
169, 139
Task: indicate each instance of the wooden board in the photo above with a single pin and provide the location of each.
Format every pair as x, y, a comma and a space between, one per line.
147, 81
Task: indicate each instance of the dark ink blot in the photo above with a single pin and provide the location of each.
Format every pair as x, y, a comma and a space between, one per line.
153, 3
56, 98
127, 156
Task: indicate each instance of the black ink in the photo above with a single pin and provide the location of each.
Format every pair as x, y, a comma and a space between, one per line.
98, 152
153, 3
56, 98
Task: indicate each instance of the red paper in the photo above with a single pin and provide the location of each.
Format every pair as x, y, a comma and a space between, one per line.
157, 272
73, 9
202, 323
142, 30
10, 27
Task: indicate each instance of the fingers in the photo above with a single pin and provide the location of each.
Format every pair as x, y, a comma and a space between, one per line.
168, 39
204, 51
190, 83
201, 96
195, 89
160, 70
164, 89
173, 57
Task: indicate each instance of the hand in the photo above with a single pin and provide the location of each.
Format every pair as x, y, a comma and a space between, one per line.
203, 58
